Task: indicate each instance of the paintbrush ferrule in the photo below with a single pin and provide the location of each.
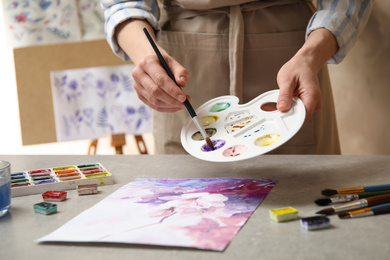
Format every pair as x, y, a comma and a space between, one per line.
344, 198
200, 127
363, 214
351, 190
351, 205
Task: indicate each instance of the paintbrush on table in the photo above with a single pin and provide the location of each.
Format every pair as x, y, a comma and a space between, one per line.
349, 197
358, 204
330, 192
371, 211
188, 105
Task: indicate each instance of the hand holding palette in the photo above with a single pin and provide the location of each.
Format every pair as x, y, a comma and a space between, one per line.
244, 131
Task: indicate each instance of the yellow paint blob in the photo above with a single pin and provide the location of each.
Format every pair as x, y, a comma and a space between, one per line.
208, 120
266, 140
63, 168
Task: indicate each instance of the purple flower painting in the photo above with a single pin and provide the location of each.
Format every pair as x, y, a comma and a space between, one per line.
203, 213
94, 102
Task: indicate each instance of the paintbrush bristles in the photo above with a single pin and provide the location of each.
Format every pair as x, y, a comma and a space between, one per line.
344, 215
328, 211
329, 192
210, 144
323, 202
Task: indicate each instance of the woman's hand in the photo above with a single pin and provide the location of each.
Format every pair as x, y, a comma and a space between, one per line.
155, 88
151, 82
299, 76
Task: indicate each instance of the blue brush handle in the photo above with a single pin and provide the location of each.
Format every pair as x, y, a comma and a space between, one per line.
381, 207
377, 188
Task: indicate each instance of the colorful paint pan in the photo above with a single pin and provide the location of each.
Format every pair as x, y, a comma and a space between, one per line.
315, 222
283, 214
87, 189
242, 131
54, 196
45, 208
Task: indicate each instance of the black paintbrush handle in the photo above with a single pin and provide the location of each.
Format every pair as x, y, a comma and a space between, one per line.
383, 211
187, 104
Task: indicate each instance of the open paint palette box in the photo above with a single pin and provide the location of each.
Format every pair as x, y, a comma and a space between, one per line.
58, 178
244, 131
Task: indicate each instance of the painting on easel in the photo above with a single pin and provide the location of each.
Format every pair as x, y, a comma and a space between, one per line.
98, 101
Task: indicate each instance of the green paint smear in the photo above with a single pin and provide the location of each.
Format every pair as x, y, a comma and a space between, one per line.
220, 107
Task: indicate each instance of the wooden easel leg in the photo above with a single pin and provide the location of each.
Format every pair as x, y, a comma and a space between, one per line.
140, 144
118, 141
92, 146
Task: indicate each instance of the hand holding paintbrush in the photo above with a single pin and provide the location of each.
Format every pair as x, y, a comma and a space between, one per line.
187, 104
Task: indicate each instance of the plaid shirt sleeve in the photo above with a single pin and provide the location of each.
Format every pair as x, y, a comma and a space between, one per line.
118, 11
345, 19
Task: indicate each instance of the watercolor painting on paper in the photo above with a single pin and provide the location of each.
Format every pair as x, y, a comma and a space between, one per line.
95, 102
204, 213
91, 19
30, 23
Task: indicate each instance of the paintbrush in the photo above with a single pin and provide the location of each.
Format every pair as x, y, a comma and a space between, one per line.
330, 192
358, 204
187, 103
371, 211
349, 197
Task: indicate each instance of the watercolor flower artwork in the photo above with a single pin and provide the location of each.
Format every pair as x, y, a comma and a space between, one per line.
94, 102
91, 19
38, 22
204, 213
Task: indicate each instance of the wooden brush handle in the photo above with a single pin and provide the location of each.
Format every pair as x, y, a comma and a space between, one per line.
380, 199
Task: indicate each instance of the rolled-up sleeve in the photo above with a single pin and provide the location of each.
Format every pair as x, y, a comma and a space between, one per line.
345, 19
117, 11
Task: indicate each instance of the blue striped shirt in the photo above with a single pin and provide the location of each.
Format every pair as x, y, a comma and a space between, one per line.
344, 18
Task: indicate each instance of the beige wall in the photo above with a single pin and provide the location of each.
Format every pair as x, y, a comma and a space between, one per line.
361, 86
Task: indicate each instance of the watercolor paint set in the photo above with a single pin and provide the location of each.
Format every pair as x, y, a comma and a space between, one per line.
241, 131
58, 178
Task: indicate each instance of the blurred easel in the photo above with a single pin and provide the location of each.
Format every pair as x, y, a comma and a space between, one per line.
118, 141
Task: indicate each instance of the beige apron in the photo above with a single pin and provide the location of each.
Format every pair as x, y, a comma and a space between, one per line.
238, 50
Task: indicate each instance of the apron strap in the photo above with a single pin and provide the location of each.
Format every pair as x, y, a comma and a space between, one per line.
236, 50
236, 34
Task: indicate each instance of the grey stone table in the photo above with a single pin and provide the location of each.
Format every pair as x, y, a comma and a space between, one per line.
300, 181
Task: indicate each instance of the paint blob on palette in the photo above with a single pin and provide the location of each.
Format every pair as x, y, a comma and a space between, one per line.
241, 131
